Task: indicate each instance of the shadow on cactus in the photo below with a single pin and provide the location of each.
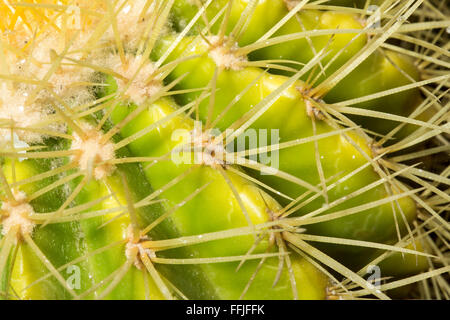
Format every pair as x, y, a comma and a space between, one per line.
174, 149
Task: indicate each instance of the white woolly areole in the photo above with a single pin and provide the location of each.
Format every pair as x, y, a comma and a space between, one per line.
41, 48
132, 246
143, 85
13, 108
207, 152
17, 214
225, 55
133, 20
19, 101
312, 110
67, 80
92, 151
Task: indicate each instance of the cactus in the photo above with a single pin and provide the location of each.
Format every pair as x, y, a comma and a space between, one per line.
177, 149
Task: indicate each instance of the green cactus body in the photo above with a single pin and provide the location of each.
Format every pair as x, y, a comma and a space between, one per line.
338, 156
259, 21
378, 74
382, 70
203, 149
399, 266
340, 47
214, 209
27, 266
301, 50
98, 236
75, 239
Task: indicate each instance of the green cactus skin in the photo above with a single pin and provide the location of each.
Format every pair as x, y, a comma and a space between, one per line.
75, 239
289, 114
259, 22
296, 50
213, 280
215, 209
140, 225
382, 70
378, 74
64, 248
98, 236
302, 50
400, 266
